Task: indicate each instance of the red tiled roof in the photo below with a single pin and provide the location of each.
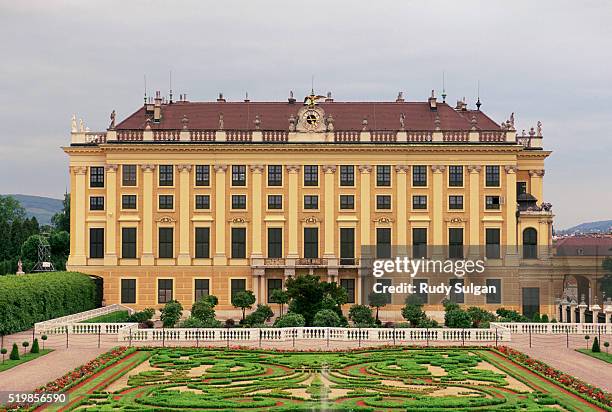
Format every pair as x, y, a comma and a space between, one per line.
275, 116
585, 245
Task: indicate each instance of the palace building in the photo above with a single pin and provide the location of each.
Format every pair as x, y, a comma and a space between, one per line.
183, 198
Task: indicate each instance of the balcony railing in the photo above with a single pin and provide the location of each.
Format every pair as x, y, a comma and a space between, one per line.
311, 262
274, 262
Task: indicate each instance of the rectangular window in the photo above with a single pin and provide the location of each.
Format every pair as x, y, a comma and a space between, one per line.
128, 175
349, 286
347, 202
383, 175
274, 284
96, 243
128, 202
275, 175
493, 241
383, 242
453, 295
494, 298
202, 202
239, 175
166, 242
531, 302
311, 202
455, 202
455, 243
385, 282
311, 242
128, 243
202, 175
202, 242
275, 242
422, 295
311, 175
347, 175
419, 202
238, 201
455, 176
492, 202
419, 242
521, 187
164, 290
347, 246
492, 176
238, 243
237, 286
96, 203
419, 176
383, 202
96, 176
166, 175
202, 288
275, 202
128, 291
166, 202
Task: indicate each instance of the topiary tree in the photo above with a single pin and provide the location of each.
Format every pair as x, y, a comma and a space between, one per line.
480, 317
457, 318
44, 338
25, 346
261, 315
544, 318
378, 300
361, 315
536, 317
586, 338
243, 300
281, 297
171, 313
413, 311
595, 348
3, 351
142, 316
35, 348
290, 320
309, 295
326, 318
203, 309
607, 345
14, 352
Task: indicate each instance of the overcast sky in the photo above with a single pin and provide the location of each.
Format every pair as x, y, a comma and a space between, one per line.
544, 60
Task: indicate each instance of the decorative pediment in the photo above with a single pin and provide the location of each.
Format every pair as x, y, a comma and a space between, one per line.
310, 119
166, 219
383, 219
311, 219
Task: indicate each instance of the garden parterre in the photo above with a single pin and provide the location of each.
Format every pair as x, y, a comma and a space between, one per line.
424, 379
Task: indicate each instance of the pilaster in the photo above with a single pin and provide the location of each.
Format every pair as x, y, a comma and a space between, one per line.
257, 204
80, 175
293, 205
147, 258
474, 173
401, 204
219, 257
184, 257
437, 202
510, 206
110, 237
365, 177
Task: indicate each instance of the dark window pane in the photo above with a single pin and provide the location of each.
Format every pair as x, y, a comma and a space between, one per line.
128, 290
455, 176
349, 286
455, 243
202, 288
383, 202
202, 202
128, 243
311, 202
202, 175
275, 242
166, 242
311, 242
166, 202
383, 242
423, 296
202, 242
453, 295
128, 202
96, 203
347, 246
419, 242
275, 175
531, 302
311, 175
419, 176
521, 187
274, 284
164, 290
496, 296
492, 176
455, 202
96, 243
166, 175
492, 202
238, 243
383, 175
347, 202
493, 242
275, 202
419, 202
238, 201
128, 173
347, 175
384, 282
96, 176
530, 243
237, 285
239, 175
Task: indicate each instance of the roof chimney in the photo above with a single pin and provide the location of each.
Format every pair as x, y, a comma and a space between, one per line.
246, 97
400, 97
329, 97
433, 105
220, 98
157, 107
291, 99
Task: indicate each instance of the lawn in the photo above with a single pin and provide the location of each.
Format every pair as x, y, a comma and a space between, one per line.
426, 379
606, 357
113, 317
8, 363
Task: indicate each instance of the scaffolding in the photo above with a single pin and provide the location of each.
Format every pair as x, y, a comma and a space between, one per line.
44, 263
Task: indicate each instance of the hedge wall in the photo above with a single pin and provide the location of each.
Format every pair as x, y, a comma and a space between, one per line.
27, 299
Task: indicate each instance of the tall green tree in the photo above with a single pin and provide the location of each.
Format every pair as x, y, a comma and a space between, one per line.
244, 300
61, 220
11, 210
309, 295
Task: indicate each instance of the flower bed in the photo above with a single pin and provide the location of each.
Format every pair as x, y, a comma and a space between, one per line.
576, 385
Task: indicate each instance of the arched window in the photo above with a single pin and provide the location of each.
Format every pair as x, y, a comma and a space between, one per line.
530, 243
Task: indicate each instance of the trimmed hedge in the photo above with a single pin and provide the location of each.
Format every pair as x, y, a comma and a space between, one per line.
27, 299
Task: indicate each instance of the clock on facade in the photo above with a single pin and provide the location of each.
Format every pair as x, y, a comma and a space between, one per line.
311, 119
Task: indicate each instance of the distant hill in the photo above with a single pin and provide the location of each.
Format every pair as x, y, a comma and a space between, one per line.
43, 208
602, 226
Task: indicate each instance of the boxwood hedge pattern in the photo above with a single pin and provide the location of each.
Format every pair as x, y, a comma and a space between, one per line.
370, 380
36, 297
